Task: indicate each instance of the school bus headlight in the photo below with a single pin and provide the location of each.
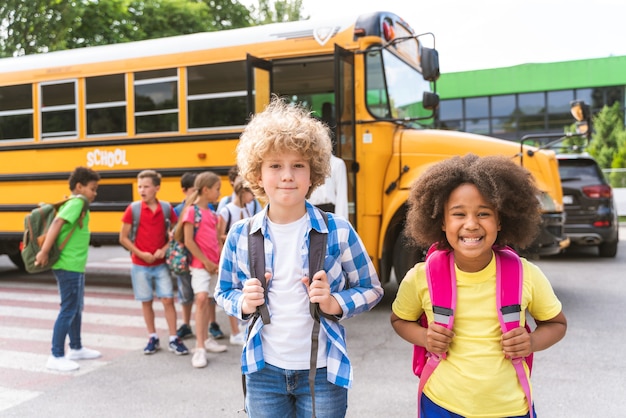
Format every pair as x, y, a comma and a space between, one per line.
547, 203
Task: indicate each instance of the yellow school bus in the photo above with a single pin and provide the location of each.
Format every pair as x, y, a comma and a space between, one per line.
179, 104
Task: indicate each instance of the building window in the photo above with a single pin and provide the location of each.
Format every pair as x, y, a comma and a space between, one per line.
451, 115
58, 109
106, 105
559, 115
156, 101
16, 112
217, 95
531, 112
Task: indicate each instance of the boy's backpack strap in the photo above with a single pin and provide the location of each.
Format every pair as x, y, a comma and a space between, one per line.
79, 221
509, 288
135, 210
166, 207
441, 278
317, 254
256, 259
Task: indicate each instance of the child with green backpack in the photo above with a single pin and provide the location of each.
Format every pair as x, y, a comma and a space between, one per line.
470, 208
72, 220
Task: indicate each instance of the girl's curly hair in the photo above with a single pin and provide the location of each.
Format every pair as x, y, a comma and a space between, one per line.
507, 186
282, 127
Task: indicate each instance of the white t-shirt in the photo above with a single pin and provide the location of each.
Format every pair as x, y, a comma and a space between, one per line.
335, 190
287, 339
232, 213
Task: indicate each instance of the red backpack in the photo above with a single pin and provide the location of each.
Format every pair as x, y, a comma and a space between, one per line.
441, 278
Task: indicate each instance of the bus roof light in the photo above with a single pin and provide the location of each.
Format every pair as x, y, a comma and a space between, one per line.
388, 31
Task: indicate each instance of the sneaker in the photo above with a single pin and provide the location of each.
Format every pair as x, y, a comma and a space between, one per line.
61, 364
177, 347
83, 354
152, 347
184, 331
215, 331
238, 339
199, 358
213, 346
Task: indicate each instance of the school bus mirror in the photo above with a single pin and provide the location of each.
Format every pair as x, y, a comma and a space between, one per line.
579, 110
429, 59
430, 100
582, 127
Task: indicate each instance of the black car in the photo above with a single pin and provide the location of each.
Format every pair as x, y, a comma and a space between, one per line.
591, 218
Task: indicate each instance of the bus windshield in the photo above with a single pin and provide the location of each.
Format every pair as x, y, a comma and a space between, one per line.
394, 88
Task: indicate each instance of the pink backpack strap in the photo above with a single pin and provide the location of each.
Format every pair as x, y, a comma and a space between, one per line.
509, 288
441, 278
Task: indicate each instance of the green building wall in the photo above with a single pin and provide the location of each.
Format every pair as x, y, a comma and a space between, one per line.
526, 78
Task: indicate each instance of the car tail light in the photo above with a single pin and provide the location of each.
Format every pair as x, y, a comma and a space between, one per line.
598, 192
602, 224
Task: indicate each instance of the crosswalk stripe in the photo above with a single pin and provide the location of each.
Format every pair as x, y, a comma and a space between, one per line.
37, 363
112, 322
90, 301
88, 317
12, 397
95, 340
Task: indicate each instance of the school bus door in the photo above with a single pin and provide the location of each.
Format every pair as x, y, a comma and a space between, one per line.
345, 128
259, 80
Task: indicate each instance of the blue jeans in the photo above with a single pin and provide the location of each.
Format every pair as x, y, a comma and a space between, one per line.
429, 409
72, 291
275, 392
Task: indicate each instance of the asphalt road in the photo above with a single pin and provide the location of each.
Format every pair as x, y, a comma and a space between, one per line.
582, 376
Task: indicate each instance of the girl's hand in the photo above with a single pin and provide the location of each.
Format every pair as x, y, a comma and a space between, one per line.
516, 343
210, 266
438, 338
253, 294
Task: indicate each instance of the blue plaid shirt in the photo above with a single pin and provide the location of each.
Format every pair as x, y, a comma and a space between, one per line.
351, 274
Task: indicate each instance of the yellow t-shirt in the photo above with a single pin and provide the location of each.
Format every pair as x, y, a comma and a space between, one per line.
476, 380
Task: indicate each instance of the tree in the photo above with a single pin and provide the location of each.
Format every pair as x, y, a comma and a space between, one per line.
28, 27
278, 11
34, 26
608, 144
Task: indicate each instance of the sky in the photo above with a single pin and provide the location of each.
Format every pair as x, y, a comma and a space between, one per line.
479, 34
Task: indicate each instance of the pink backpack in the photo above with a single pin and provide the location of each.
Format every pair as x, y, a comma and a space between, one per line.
441, 278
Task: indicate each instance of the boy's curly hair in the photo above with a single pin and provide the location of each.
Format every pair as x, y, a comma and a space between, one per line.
507, 186
82, 175
283, 127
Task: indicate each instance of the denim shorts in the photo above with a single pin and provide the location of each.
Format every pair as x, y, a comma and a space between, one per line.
145, 279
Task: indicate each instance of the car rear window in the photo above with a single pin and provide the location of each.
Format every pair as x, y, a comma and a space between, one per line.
579, 170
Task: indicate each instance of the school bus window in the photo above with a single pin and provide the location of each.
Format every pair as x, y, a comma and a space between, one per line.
58, 109
156, 101
216, 95
106, 105
16, 112
377, 102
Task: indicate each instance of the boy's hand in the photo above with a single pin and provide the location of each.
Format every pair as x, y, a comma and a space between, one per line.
41, 259
438, 338
146, 256
516, 343
253, 294
159, 254
319, 292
